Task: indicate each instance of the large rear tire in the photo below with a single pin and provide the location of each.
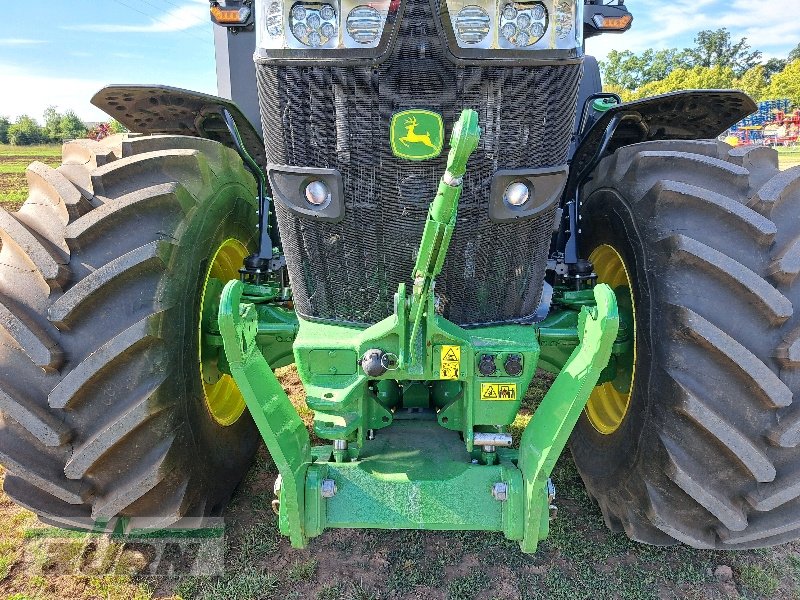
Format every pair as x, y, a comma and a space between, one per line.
706, 451
102, 273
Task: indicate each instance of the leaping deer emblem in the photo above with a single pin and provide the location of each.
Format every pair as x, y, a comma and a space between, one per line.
412, 137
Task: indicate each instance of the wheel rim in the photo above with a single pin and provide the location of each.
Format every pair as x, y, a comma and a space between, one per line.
222, 397
609, 402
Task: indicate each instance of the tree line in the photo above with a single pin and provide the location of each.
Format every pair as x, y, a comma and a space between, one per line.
26, 131
715, 61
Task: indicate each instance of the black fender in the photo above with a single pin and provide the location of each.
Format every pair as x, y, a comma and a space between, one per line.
162, 109
683, 115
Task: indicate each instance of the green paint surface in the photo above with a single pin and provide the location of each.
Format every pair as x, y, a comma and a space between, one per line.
417, 134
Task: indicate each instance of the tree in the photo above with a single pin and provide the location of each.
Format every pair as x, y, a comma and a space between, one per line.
117, 127
4, 125
70, 127
630, 71
52, 121
786, 84
754, 82
25, 132
794, 54
716, 49
697, 78
774, 65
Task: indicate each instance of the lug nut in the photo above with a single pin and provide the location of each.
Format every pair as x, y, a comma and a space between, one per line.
500, 491
328, 488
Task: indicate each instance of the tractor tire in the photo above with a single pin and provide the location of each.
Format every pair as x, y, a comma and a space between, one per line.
102, 270
707, 451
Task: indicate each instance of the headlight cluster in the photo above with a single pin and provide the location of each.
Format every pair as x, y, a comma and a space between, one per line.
516, 25
337, 24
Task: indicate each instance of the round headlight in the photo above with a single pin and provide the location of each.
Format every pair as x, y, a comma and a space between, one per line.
300, 31
298, 12
508, 31
317, 193
327, 12
517, 194
364, 24
472, 25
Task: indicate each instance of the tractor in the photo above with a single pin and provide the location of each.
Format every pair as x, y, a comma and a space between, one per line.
421, 204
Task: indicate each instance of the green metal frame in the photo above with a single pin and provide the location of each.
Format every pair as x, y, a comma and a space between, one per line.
404, 452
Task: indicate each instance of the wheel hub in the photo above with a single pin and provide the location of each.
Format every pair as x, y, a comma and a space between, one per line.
222, 396
609, 402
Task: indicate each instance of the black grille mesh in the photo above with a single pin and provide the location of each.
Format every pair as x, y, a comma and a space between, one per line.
338, 117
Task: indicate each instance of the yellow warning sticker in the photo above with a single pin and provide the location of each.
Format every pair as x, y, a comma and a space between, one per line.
451, 362
498, 391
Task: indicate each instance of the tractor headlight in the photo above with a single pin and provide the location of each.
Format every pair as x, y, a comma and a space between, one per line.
322, 29
518, 29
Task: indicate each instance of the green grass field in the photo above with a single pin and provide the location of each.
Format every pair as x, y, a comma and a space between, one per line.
581, 559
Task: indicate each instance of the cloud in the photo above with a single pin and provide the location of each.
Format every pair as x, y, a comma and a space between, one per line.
177, 19
32, 94
20, 42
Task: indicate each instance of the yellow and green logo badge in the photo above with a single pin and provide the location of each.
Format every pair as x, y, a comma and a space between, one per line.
417, 134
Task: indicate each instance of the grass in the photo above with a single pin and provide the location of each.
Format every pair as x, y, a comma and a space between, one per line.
580, 559
13, 162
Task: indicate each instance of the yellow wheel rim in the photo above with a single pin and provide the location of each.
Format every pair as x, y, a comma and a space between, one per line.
222, 396
608, 404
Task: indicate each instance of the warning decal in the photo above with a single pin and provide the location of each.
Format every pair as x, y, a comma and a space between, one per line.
451, 362
498, 391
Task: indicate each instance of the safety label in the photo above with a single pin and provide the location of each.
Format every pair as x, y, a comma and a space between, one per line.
450, 362
498, 391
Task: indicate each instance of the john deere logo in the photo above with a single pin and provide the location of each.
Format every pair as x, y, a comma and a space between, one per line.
417, 134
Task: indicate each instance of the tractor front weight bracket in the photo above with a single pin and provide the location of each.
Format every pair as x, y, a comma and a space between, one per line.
417, 409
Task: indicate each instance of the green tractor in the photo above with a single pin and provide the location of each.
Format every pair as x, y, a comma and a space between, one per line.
421, 204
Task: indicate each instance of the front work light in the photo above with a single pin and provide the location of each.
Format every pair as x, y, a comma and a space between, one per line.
519, 25
325, 25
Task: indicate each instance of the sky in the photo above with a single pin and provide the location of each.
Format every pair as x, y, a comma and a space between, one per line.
60, 52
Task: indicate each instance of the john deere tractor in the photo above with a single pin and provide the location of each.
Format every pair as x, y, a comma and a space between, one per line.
421, 204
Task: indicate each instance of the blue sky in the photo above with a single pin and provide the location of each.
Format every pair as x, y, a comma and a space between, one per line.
61, 51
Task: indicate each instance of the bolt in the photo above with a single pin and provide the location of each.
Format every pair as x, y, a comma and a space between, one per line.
328, 488
370, 434
500, 491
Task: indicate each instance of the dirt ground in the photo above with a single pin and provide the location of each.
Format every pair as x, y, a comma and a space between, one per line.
581, 559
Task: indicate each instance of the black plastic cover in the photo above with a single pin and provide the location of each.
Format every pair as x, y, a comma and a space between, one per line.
151, 109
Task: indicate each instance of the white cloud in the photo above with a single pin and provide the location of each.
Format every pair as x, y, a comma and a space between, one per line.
20, 42
31, 94
177, 19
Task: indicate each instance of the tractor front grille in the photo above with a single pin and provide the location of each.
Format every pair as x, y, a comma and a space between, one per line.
338, 117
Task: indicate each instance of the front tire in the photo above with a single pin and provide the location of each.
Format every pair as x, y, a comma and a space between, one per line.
707, 450
102, 273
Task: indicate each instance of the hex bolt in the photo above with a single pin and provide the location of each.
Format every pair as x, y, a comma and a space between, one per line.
328, 488
500, 491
